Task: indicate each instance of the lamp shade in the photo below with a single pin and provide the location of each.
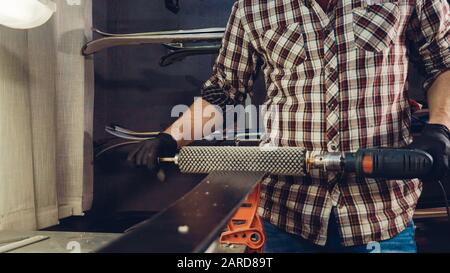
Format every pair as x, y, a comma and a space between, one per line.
25, 14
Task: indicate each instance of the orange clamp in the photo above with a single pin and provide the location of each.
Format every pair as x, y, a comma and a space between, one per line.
246, 228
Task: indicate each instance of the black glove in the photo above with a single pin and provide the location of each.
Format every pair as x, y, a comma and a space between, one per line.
435, 140
147, 152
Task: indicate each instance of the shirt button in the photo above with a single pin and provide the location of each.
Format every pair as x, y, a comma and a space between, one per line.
329, 70
327, 30
333, 104
333, 147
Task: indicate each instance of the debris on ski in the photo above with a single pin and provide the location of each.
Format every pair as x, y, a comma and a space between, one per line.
183, 229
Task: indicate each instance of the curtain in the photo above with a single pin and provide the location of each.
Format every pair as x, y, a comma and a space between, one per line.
46, 113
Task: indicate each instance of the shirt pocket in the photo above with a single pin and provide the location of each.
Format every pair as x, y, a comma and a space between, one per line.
375, 26
285, 46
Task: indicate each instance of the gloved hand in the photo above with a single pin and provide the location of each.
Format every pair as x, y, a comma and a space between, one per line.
435, 140
147, 152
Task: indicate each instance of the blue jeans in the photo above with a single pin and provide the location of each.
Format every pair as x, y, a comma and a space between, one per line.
279, 241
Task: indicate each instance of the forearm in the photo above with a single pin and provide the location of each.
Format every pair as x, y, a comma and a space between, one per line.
439, 100
190, 126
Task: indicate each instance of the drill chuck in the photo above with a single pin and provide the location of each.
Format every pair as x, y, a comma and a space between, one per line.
326, 162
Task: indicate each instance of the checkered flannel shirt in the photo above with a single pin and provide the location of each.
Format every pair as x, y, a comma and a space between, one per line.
337, 81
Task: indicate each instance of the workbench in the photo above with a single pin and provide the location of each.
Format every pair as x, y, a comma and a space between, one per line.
58, 242
78, 242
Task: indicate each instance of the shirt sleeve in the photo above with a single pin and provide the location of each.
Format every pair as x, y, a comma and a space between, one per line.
235, 67
429, 29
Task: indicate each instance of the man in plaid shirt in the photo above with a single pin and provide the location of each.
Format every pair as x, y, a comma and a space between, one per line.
336, 73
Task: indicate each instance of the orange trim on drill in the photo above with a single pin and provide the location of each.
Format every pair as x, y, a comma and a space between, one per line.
367, 164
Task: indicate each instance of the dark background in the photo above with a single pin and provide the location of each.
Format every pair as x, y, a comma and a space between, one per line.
132, 90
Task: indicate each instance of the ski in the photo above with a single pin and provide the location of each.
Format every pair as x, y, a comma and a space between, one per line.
114, 41
157, 33
193, 46
193, 222
180, 54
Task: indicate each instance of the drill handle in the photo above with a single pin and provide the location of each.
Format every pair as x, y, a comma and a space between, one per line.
389, 163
